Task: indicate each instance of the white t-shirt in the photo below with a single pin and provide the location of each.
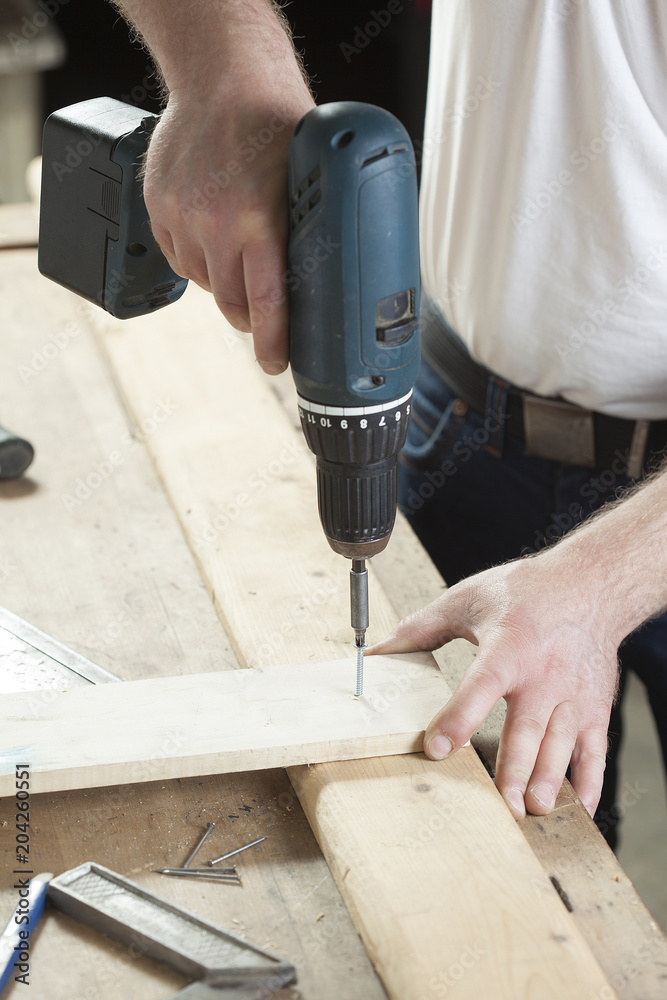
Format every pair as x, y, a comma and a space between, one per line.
544, 194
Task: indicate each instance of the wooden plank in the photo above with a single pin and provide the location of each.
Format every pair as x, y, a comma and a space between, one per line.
444, 819
115, 579
236, 720
254, 550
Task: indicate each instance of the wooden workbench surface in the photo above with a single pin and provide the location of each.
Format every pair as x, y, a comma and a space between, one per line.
113, 577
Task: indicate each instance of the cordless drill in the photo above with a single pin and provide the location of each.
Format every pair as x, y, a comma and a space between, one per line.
353, 280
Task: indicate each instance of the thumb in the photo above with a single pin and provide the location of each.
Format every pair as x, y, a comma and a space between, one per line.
446, 618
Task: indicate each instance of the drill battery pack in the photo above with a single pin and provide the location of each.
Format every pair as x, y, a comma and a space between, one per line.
95, 236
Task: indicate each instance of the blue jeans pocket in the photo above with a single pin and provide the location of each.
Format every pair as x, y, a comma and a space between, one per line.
434, 428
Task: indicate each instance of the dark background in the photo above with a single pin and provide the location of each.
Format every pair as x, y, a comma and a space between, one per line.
389, 71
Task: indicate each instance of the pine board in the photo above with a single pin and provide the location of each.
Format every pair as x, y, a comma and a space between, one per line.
236, 720
398, 838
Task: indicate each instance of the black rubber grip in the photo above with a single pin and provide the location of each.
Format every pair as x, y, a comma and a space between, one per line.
357, 503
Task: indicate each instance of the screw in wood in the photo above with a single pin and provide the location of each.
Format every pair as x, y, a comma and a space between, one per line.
359, 690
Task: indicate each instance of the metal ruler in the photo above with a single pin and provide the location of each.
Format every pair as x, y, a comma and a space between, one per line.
31, 660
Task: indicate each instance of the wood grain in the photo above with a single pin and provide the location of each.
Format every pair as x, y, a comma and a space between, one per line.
236, 720
106, 572
382, 827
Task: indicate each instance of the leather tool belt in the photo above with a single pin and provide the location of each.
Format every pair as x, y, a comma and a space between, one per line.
551, 428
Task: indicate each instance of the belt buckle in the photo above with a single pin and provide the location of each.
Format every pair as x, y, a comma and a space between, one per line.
558, 430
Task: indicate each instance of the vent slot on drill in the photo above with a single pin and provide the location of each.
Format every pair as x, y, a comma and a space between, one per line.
395, 319
380, 155
313, 193
110, 200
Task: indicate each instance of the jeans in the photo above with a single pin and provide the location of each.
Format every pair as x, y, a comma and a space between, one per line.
473, 509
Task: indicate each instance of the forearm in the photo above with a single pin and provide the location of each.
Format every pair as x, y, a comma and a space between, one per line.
619, 558
197, 42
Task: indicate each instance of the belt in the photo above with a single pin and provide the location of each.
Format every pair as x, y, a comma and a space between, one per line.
550, 427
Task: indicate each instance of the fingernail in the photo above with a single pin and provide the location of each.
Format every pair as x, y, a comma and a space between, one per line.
439, 746
515, 798
543, 794
272, 367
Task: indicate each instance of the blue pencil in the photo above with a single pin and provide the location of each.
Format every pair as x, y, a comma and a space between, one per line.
21, 925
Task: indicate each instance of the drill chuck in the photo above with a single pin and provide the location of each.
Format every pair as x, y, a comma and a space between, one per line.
357, 471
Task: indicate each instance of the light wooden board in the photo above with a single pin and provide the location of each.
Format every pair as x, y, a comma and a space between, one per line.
116, 580
444, 819
270, 549
236, 720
